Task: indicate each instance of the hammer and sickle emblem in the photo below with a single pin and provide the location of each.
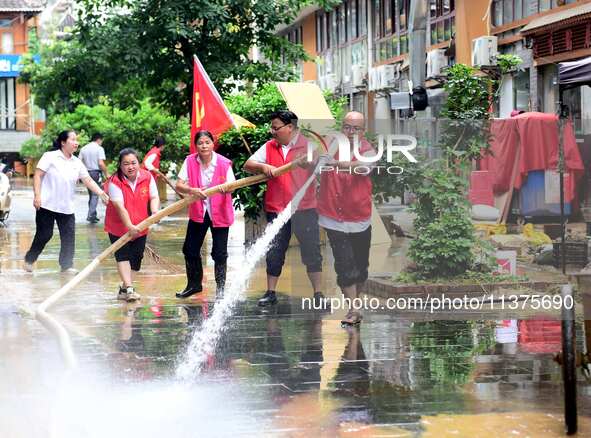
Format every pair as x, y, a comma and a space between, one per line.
199, 110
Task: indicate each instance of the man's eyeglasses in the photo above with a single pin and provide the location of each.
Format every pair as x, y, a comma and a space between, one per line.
273, 129
352, 128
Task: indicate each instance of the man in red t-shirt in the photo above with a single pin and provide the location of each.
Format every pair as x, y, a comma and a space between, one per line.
287, 145
344, 211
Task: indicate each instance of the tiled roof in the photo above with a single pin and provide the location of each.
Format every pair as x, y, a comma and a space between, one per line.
22, 5
567, 16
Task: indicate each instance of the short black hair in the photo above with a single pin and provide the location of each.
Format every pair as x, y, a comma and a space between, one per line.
203, 133
96, 136
286, 117
159, 142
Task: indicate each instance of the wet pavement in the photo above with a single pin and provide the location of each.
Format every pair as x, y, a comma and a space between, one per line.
281, 372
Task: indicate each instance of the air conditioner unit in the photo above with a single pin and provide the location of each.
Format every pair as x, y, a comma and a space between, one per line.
358, 72
436, 61
374, 78
331, 82
389, 74
484, 51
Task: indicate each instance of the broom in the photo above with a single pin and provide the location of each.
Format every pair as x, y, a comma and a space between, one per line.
146, 223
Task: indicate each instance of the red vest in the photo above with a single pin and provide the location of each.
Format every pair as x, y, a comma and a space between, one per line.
154, 151
220, 209
136, 203
281, 189
346, 197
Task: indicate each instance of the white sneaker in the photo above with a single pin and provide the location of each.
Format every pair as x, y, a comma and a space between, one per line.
132, 295
28, 267
70, 271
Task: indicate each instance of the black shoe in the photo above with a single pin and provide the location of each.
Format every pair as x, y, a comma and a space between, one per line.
268, 299
320, 302
194, 278
188, 291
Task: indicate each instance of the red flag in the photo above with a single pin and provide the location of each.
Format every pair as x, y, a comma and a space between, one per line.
208, 111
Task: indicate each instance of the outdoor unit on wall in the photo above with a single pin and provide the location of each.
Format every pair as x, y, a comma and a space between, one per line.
358, 75
436, 61
484, 51
374, 78
389, 74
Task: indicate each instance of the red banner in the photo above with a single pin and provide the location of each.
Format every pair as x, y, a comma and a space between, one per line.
208, 110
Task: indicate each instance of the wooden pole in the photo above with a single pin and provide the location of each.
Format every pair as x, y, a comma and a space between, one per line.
244, 141
169, 183
172, 208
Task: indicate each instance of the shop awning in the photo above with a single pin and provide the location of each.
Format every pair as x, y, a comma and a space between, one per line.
575, 73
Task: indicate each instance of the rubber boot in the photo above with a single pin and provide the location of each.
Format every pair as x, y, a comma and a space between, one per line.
194, 277
220, 278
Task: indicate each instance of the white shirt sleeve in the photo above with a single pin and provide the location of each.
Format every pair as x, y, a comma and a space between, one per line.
149, 163
153, 188
260, 155
115, 193
230, 175
45, 162
183, 173
102, 155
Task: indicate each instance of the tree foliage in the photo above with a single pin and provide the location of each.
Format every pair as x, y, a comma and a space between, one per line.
122, 128
128, 50
446, 245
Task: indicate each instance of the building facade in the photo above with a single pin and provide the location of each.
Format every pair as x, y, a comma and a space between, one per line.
361, 49
17, 22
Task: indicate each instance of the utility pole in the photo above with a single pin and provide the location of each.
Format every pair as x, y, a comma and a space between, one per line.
418, 41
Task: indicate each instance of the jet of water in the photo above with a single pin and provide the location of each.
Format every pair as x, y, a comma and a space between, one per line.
204, 342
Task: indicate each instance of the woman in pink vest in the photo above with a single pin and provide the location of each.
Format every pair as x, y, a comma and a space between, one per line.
206, 169
131, 191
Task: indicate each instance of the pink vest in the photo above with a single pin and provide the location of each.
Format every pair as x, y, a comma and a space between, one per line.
346, 197
220, 209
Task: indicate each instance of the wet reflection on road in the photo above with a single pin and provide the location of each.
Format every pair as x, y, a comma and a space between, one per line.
279, 372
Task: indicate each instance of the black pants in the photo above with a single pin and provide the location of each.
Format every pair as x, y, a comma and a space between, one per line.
196, 235
132, 251
66, 224
351, 255
92, 197
305, 226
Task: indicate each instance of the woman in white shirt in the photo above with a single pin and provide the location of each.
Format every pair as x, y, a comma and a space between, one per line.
54, 185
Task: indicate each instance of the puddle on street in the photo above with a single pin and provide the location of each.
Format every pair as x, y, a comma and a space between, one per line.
279, 372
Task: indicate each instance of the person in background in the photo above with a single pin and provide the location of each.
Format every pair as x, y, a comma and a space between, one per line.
54, 186
132, 190
287, 145
199, 171
152, 159
344, 211
93, 157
